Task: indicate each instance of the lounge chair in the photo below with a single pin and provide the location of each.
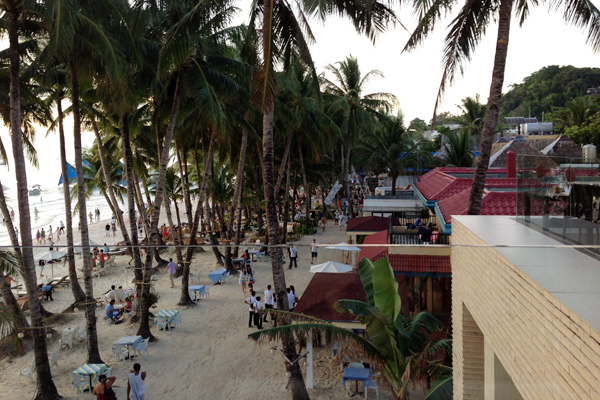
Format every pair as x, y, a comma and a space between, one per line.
58, 281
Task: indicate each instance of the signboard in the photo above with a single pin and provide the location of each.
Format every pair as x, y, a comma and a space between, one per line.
336, 187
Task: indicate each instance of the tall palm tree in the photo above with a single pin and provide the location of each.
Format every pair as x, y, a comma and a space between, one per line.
466, 31
473, 115
355, 108
45, 385
458, 149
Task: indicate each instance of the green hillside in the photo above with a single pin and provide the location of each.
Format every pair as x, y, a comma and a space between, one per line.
550, 87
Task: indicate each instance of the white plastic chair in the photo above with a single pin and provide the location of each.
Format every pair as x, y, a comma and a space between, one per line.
28, 372
195, 278
205, 293
142, 347
81, 335
161, 322
53, 357
107, 372
79, 383
68, 338
120, 352
177, 321
225, 278
372, 384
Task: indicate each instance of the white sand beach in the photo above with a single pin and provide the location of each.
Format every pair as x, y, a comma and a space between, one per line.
210, 357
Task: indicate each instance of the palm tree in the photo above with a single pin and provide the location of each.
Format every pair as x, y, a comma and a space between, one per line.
45, 385
355, 107
466, 31
389, 148
459, 149
399, 346
473, 115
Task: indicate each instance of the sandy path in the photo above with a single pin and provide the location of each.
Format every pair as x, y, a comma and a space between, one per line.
211, 356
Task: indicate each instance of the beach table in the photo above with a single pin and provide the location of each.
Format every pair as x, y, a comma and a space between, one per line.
217, 275
239, 260
254, 254
356, 374
196, 288
130, 342
91, 370
170, 314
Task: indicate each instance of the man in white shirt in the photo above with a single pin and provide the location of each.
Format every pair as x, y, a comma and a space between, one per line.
274, 316
291, 299
293, 252
258, 306
268, 302
313, 251
250, 301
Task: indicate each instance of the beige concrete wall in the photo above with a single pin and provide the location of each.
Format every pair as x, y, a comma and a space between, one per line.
548, 351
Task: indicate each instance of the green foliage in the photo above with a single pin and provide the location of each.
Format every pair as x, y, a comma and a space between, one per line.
304, 229
586, 133
459, 149
473, 116
153, 299
575, 113
417, 125
549, 88
443, 388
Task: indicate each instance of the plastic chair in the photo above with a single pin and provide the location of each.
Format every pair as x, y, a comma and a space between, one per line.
53, 357
372, 384
81, 335
205, 293
68, 339
28, 372
161, 322
142, 347
79, 383
177, 321
107, 372
225, 278
195, 278
119, 352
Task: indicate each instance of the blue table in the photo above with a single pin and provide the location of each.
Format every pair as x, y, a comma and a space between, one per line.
91, 370
356, 374
129, 341
196, 288
170, 314
217, 275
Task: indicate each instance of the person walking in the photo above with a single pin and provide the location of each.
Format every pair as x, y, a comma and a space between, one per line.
291, 299
50, 233
313, 251
323, 222
268, 302
114, 229
243, 278
43, 236
250, 301
62, 227
107, 230
293, 252
258, 307
35, 211
104, 387
38, 236
136, 384
171, 267
91, 218
57, 234
51, 243
341, 221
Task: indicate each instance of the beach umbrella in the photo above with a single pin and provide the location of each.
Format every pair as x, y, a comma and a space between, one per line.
345, 247
78, 250
52, 255
331, 267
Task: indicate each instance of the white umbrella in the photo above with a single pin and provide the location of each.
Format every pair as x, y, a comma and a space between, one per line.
332, 267
52, 255
79, 249
345, 247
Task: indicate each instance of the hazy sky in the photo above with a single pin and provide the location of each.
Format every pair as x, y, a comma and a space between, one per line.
415, 77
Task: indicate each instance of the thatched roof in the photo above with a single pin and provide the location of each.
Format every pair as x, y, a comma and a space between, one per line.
563, 147
521, 147
496, 147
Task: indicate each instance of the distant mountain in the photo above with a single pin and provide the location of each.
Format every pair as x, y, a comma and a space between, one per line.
551, 86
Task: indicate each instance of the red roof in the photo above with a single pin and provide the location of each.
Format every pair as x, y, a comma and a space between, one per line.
438, 185
325, 289
367, 224
373, 252
420, 263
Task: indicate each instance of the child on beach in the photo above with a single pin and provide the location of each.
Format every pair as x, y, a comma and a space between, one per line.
37, 236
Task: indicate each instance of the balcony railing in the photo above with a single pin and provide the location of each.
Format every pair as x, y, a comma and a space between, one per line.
411, 238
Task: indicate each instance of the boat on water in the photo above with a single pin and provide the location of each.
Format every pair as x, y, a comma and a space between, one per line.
35, 190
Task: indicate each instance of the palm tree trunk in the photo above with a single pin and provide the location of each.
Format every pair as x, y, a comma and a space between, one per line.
492, 109
297, 381
75, 287
135, 250
286, 153
109, 183
237, 196
176, 237
9, 298
305, 183
144, 329
90, 309
184, 188
177, 215
211, 216
347, 191
286, 197
45, 385
259, 219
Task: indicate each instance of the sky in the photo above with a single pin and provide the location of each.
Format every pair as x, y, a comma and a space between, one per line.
415, 77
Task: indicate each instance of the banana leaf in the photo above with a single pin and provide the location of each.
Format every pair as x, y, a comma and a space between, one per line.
385, 288
365, 270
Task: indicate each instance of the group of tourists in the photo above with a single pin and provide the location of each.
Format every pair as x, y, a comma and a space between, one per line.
258, 311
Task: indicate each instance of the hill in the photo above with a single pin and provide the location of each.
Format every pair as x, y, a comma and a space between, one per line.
550, 87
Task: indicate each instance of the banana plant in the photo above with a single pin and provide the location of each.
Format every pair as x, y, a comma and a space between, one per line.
398, 345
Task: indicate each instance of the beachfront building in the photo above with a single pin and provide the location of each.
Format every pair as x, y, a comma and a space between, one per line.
526, 321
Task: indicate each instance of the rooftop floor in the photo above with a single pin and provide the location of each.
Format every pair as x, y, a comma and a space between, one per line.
569, 274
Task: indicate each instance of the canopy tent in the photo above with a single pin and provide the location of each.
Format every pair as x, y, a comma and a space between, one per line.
346, 247
72, 173
331, 267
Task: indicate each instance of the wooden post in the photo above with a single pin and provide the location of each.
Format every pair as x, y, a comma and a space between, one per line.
309, 360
